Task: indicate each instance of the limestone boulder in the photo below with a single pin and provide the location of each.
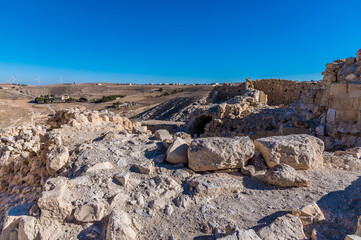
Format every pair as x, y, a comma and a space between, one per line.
177, 152
56, 159
309, 214
120, 226
300, 151
90, 212
216, 153
162, 134
20, 228
214, 184
285, 176
18, 224
52, 202
287, 227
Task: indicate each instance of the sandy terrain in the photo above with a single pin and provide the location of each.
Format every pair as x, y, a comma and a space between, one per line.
17, 104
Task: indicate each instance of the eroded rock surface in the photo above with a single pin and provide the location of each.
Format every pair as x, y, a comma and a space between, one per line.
299, 151
217, 153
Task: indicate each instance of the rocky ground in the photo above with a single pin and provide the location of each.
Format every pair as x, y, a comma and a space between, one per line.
97, 175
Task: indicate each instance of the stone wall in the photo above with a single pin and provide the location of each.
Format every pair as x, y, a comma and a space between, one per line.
281, 91
227, 91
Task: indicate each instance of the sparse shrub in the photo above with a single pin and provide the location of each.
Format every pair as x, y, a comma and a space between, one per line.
70, 100
108, 98
83, 99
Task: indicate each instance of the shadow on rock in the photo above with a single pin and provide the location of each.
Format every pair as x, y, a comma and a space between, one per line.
341, 210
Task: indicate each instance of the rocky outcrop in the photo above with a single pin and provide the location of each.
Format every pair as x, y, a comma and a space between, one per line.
219, 153
299, 151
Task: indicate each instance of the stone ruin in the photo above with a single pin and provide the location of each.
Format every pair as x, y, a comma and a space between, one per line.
328, 109
251, 171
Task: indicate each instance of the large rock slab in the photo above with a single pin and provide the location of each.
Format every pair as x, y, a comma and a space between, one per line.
299, 151
287, 227
285, 176
216, 153
214, 184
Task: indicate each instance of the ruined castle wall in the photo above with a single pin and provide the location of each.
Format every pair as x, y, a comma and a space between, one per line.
226, 91
281, 91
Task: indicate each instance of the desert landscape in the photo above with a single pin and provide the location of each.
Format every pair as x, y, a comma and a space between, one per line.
266, 159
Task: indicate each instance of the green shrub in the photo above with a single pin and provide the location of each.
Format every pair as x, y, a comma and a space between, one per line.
108, 98
83, 99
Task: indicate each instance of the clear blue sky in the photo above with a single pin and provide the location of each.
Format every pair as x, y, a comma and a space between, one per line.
174, 40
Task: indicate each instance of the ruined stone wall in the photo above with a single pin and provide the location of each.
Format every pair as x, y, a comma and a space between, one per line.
281, 91
226, 91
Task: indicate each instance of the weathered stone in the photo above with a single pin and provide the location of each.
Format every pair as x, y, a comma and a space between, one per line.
309, 214
216, 153
52, 202
242, 235
56, 158
177, 152
287, 227
214, 184
159, 159
90, 212
183, 201
108, 136
19, 225
358, 56
331, 115
100, 166
285, 176
162, 134
248, 170
19, 228
146, 167
140, 130
120, 226
299, 151
122, 178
